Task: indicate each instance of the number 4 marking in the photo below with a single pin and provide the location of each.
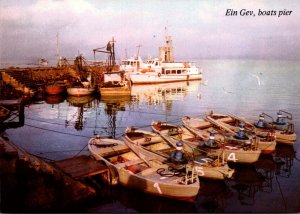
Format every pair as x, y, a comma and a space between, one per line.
232, 157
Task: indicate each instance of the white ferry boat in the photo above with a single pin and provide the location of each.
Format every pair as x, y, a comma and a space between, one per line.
161, 70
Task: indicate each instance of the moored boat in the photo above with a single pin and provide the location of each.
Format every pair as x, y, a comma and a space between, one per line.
283, 126
164, 69
167, 150
80, 91
55, 88
115, 84
217, 142
230, 123
142, 173
209, 166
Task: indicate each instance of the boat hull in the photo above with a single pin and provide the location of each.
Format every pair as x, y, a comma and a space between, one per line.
147, 180
140, 78
55, 89
231, 152
115, 91
78, 92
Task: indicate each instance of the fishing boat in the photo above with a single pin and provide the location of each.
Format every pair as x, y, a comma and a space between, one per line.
81, 88
54, 88
205, 166
4, 113
164, 69
212, 167
84, 101
283, 126
231, 124
115, 84
43, 62
142, 173
218, 142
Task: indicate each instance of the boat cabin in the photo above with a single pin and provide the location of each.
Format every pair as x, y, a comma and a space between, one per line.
132, 64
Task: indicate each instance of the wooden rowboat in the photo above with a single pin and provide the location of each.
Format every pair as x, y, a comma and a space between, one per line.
205, 166
209, 166
266, 140
142, 173
283, 127
234, 150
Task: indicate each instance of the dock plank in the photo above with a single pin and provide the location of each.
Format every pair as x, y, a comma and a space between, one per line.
82, 166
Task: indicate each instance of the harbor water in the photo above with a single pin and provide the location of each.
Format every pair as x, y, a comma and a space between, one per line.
59, 127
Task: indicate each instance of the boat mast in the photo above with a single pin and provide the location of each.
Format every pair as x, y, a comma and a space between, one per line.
57, 50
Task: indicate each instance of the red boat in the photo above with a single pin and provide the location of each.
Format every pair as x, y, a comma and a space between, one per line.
55, 88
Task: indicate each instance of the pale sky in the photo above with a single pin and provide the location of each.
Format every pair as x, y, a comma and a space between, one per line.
199, 29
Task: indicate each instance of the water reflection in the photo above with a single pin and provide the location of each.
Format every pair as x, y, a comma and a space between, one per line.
81, 103
157, 93
55, 99
246, 182
112, 106
284, 157
213, 196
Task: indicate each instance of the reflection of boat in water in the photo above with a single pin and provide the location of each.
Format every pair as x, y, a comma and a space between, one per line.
80, 101
54, 99
213, 196
163, 91
247, 182
284, 157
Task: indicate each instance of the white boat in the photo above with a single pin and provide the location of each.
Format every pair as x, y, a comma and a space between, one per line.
230, 123
238, 151
163, 69
283, 126
115, 84
142, 173
211, 167
205, 166
80, 91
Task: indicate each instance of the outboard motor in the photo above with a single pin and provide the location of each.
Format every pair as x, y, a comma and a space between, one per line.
280, 120
178, 155
211, 141
260, 123
241, 133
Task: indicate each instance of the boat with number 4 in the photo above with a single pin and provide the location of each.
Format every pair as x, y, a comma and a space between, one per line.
135, 171
216, 141
232, 124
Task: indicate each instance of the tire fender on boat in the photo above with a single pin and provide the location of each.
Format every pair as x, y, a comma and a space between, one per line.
159, 74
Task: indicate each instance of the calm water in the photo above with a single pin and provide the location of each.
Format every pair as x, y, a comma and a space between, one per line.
59, 127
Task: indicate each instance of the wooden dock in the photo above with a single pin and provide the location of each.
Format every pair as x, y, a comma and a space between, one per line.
82, 167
